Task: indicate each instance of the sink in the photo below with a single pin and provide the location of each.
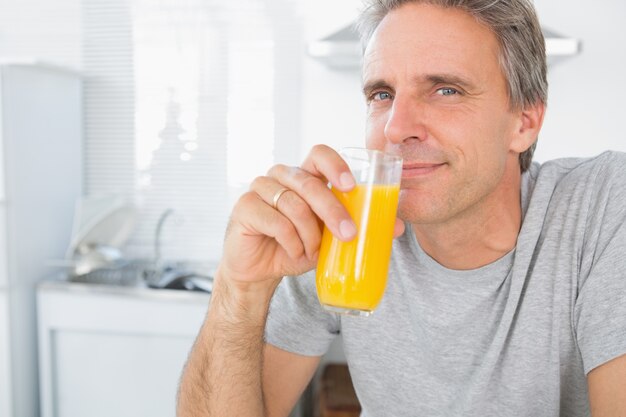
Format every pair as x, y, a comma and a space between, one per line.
125, 274
179, 278
142, 273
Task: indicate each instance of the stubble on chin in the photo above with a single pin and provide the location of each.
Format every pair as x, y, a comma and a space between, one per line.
414, 209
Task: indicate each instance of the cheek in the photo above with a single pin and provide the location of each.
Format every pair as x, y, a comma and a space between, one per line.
479, 146
375, 132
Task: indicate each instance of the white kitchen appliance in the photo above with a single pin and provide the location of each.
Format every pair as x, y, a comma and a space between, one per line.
40, 179
101, 226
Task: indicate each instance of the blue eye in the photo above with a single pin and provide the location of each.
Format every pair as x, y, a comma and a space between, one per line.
447, 91
381, 95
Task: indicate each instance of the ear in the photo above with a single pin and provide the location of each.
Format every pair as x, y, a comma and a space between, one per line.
528, 125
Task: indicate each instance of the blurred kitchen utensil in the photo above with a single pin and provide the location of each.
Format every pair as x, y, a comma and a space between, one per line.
102, 224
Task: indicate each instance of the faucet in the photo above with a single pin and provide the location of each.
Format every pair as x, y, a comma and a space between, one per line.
157, 237
153, 274
173, 277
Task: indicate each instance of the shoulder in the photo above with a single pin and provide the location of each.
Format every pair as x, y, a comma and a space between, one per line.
603, 174
609, 164
578, 196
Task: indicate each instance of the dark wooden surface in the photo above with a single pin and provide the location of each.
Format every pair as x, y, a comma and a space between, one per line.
336, 393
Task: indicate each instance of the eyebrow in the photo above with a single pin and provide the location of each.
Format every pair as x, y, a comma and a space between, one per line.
432, 79
370, 86
435, 79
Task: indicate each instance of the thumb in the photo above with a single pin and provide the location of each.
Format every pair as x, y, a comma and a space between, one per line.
398, 228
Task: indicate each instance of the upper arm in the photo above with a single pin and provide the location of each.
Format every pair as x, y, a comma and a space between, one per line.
607, 389
285, 376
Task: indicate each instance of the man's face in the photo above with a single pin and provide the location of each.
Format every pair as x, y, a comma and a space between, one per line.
436, 94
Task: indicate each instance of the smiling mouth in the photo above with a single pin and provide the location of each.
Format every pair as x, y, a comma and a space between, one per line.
412, 170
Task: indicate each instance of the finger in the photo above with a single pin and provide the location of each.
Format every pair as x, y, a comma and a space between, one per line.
304, 219
314, 191
269, 222
398, 228
295, 209
325, 162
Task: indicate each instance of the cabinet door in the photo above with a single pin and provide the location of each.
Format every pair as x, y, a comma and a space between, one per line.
113, 352
117, 374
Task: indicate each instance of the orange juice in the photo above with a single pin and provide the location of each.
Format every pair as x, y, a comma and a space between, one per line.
352, 275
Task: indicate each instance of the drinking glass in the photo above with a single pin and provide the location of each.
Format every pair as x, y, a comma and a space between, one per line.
351, 276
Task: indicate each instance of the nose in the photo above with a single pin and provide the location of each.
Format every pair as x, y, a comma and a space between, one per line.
406, 120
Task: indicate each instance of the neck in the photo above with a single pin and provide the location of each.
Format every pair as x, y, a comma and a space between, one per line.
480, 235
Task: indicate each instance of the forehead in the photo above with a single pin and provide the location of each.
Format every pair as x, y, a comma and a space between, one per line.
416, 39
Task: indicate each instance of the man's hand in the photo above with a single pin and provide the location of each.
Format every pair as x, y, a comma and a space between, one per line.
265, 242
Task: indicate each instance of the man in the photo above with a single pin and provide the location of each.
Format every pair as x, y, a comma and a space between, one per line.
507, 281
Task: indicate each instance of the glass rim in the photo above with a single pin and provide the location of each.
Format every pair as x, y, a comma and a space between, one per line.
386, 156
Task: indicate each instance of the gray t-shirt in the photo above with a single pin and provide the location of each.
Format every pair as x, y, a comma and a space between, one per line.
516, 337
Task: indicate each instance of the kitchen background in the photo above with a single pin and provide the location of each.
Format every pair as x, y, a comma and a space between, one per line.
170, 108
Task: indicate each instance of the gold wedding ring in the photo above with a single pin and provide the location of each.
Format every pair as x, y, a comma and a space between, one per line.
277, 196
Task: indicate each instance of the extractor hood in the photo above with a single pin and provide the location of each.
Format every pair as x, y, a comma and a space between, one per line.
342, 50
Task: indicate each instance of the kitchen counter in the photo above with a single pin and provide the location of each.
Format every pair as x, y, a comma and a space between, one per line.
137, 290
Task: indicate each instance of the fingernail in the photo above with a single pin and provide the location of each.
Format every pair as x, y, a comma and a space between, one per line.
347, 180
347, 229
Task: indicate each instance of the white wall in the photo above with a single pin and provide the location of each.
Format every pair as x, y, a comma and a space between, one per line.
586, 96
333, 107
47, 30
587, 92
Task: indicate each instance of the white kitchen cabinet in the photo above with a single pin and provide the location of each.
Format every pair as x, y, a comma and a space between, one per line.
40, 180
113, 351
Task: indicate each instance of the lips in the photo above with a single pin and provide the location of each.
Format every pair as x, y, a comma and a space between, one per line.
418, 169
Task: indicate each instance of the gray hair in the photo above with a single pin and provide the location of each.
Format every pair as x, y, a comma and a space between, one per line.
516, 27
